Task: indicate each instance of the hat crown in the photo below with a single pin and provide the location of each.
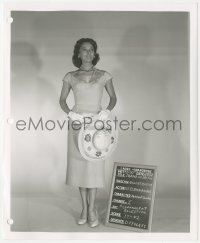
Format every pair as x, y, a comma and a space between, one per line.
101, 140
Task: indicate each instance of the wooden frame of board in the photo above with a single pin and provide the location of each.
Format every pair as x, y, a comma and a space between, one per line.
107, 223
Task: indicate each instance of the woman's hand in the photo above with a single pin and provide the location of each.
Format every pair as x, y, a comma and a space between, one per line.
75, 116
103, 115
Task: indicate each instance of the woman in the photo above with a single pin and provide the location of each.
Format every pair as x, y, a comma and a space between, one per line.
87, 84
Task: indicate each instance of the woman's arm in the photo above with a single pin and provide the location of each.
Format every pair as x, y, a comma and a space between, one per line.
111, 92
64, 93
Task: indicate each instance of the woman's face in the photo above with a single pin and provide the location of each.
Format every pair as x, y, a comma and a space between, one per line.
86, 52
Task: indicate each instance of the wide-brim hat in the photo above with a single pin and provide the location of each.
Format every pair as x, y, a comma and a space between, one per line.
97, 140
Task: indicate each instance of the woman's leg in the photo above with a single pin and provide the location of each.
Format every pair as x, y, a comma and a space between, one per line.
83, 192
91, 209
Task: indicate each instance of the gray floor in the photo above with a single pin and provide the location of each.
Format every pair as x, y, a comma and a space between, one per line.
54, 213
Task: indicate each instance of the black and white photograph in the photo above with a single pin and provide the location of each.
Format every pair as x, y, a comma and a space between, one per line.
99, 116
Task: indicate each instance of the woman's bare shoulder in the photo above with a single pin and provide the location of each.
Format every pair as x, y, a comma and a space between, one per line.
100, 71
72, 73
103, 72
69, 76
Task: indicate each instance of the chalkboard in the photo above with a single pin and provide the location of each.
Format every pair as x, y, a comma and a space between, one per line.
132, 195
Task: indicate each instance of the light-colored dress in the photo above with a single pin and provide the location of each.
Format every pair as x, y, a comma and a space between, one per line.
87, 96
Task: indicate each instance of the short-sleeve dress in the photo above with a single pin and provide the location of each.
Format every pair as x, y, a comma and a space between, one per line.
87, 97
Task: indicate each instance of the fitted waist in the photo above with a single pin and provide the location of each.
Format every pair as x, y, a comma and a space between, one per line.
91, 108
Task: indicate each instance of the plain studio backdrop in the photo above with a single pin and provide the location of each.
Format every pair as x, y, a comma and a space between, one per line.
147, 55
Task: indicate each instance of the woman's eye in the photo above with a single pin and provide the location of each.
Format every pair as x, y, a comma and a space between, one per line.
86, 50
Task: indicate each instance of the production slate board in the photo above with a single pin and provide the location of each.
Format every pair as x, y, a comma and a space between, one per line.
132, 195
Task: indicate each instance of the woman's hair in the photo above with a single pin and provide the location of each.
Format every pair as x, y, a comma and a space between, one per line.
76, 60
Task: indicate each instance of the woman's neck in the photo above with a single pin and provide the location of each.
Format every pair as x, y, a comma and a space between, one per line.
86, 66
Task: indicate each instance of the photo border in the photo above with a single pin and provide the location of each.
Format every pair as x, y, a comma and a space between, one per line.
184, 6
